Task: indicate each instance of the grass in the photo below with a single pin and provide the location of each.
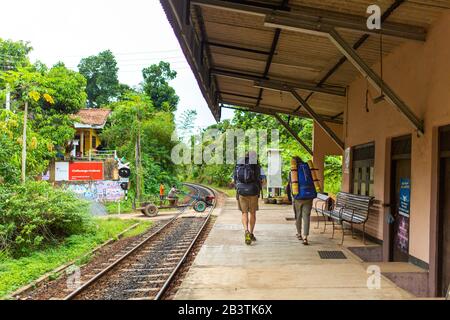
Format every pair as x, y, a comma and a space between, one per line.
229, 192
113, 207
15, 273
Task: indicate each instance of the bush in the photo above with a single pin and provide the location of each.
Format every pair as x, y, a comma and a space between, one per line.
35, 214
333, 174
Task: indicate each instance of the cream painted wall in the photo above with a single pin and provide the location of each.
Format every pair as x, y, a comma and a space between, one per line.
420, 74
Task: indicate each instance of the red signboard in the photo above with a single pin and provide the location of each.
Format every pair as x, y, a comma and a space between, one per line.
85, 171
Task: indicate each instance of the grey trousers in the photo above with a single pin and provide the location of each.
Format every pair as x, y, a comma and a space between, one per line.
302, 210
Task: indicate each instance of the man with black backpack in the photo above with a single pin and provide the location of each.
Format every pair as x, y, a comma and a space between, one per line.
248, 177
303, 192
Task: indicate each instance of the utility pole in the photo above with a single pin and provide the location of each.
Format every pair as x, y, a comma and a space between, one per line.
8, 98
138, 160
24, 142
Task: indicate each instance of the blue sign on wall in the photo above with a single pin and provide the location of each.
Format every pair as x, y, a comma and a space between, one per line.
405, 196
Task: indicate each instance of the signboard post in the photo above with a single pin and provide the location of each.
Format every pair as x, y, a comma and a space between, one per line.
402, 236
405, 194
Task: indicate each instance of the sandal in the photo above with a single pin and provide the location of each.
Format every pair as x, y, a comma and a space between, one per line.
305, 242
299, 237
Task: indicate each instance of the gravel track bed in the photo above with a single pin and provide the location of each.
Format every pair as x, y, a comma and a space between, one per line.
182, 272
142, 274
58, 288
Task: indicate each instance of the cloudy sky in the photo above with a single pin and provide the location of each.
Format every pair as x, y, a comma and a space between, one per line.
137, 32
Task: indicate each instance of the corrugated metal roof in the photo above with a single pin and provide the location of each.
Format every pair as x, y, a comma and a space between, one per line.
298, 56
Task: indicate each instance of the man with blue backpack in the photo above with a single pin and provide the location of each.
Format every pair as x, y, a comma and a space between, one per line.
248, 178
303, 192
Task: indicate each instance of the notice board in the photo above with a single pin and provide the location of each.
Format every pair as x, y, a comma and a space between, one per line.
85, 171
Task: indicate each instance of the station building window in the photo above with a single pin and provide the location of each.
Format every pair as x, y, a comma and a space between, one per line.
363, 164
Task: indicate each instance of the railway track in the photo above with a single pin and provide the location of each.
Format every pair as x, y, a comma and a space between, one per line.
146, 269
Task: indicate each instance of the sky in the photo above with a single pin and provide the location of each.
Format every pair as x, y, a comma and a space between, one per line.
136, 31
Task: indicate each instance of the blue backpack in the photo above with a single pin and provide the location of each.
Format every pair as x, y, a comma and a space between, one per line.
306, 187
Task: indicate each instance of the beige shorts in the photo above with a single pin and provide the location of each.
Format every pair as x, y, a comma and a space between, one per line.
248, 203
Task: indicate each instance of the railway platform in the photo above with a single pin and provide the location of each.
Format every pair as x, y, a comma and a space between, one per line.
277, 265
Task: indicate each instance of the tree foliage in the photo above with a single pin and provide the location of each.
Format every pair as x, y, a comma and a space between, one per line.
67, 88
220, 174
40, 148
136, 115
100, 72
13, 54
156, 86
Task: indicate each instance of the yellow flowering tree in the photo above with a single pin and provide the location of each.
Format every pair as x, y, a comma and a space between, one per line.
27, 86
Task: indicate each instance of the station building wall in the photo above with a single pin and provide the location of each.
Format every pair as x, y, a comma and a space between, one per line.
420, 74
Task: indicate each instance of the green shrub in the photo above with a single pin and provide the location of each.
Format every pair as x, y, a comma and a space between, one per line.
35, 214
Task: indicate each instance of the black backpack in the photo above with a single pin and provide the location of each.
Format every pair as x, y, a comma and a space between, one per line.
247, 178
246, 173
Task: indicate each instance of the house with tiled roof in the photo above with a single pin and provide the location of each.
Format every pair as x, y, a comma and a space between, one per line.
88, 124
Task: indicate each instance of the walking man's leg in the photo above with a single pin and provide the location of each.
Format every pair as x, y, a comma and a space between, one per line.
252, 225
244, 205
298, 218
253, 207
245, 220
306, 215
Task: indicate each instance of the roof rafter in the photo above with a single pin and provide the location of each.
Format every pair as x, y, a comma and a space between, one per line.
315, 20
269, 110
261, 82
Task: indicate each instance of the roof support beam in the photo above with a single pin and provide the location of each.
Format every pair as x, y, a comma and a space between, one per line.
357, 45
238, 95
317, 21
250, 7
320, 121
310, 86
237, 48
375, 80
293, 133
314, 20
268, 110
262, 82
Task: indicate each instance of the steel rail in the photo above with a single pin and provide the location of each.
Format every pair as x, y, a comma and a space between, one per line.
166, 285
99, 275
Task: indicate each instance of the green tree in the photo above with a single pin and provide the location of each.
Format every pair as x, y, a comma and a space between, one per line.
135, 116
47, 129
67, 88
39, 148
14, 54
156, 86
186, 123
100, 72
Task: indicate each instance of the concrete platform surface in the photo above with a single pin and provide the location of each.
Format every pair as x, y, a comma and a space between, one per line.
277, 265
